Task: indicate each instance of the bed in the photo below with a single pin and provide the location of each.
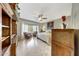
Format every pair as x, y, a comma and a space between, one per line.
45, 36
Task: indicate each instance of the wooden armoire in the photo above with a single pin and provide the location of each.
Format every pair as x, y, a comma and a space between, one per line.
62, 43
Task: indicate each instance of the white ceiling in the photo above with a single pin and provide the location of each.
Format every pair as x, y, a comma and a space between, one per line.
52, 11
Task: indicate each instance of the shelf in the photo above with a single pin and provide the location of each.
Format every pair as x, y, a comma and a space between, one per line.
4, 38
13, 35
4, 50
5, 26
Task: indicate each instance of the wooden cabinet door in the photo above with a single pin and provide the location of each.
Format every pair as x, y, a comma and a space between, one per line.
62, 42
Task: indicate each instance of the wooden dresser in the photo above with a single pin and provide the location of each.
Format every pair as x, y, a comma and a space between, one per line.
62, 43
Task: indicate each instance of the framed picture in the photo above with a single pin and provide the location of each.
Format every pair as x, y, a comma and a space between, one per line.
50, 25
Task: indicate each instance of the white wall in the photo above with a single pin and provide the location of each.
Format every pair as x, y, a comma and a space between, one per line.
58, 23
75, 15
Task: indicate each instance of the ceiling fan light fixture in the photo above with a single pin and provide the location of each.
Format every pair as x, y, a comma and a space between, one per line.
39, 18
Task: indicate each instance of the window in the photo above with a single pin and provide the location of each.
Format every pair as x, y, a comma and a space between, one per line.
34, 28
24, 28
29, 28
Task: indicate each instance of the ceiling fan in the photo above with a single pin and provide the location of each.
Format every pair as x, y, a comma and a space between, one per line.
42, 17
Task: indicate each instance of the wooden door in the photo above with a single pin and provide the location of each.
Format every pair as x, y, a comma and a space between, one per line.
62, 42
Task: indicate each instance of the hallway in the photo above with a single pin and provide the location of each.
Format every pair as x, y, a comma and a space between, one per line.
33, 47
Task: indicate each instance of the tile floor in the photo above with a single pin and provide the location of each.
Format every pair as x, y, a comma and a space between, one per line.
33, 47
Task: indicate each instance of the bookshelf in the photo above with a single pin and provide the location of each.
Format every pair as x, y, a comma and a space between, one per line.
7, 30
